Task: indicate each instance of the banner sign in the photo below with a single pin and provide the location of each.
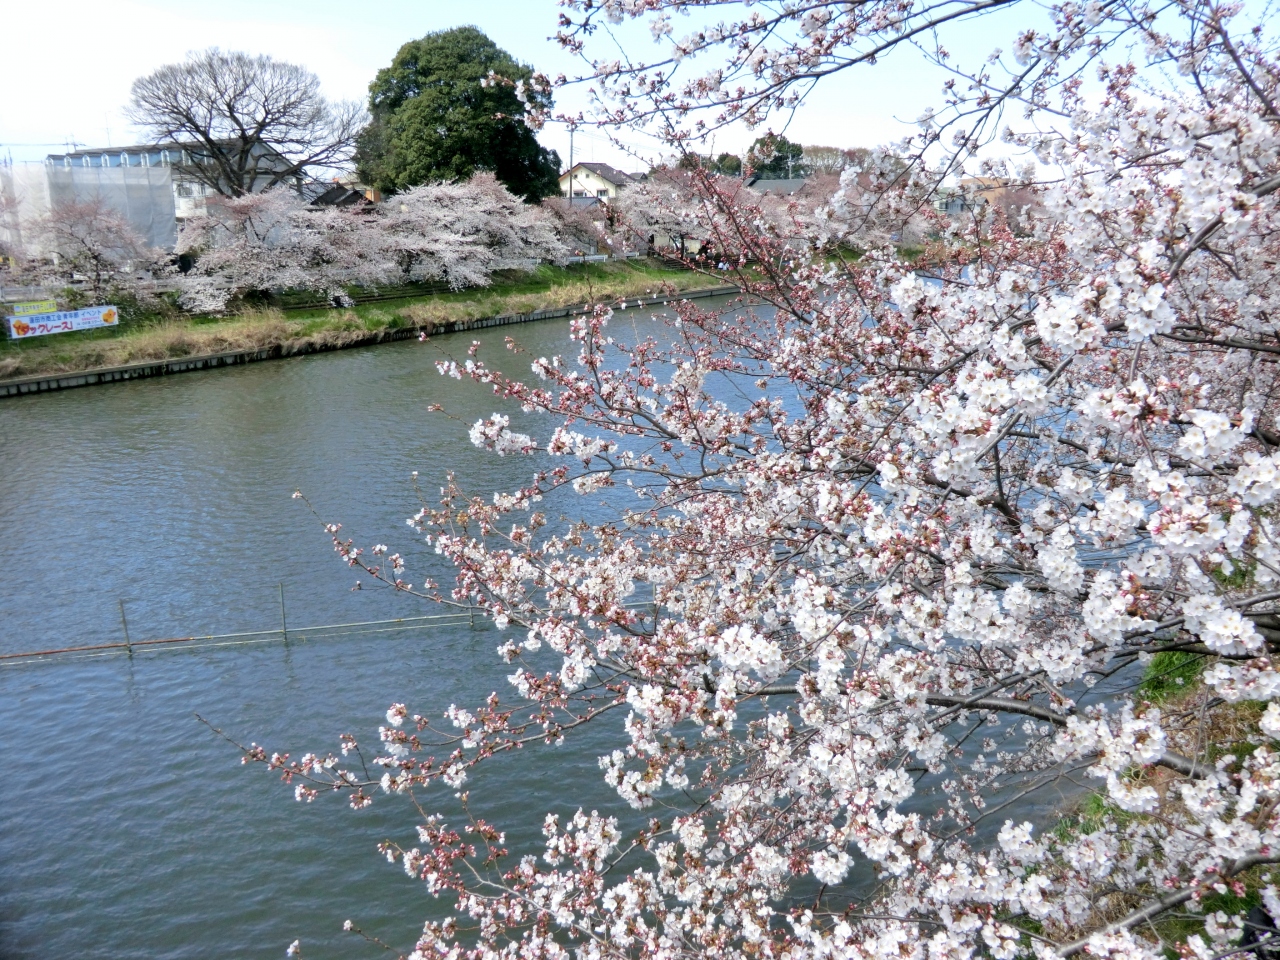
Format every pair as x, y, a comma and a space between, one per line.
35, 306
64, 322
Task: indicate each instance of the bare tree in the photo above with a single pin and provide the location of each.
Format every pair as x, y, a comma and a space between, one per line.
244, 123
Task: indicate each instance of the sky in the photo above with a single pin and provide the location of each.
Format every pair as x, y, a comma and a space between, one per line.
75, 81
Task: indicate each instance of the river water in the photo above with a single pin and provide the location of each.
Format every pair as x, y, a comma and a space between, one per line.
128, 829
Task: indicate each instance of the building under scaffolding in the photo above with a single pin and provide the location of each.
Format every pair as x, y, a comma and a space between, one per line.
150, 186
144, 194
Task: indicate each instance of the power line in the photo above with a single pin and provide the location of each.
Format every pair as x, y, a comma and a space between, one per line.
585, 130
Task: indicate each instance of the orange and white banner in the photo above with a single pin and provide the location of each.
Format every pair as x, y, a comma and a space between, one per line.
64, 321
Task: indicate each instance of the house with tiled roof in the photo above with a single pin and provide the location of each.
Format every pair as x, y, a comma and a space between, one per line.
594, 181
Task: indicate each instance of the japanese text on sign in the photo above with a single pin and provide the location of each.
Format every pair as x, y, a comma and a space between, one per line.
34, 306
65, 321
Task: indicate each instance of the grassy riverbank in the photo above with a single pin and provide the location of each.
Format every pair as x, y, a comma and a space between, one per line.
300, 331
1199, 725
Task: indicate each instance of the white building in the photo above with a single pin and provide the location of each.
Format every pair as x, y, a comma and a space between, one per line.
594, 181
134, 184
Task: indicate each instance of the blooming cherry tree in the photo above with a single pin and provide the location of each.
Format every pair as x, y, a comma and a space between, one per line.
462, 233
457, 233
274, 240
89, 242
899, 540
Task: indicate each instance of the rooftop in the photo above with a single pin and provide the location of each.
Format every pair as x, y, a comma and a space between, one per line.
605, 172
138, 154
780, 188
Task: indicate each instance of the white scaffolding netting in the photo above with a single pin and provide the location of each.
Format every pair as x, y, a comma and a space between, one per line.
24, 199
143, 195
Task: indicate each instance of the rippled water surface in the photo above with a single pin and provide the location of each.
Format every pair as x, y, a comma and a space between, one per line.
128, 828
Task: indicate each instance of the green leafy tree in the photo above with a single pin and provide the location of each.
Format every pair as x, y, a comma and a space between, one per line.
450, 104
774, 157
729, 164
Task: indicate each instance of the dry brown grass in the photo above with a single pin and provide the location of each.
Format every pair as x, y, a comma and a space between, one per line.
258, 331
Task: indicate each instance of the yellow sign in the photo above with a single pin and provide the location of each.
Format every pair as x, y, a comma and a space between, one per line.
35, 306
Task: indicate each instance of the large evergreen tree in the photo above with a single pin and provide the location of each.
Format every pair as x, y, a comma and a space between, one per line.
447, 107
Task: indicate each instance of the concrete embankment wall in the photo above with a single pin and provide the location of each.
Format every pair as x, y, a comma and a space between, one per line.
45, 382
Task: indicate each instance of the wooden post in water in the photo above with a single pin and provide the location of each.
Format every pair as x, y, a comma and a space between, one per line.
125, 624
284, 624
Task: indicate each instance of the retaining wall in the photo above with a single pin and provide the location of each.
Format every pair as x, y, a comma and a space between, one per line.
45, 382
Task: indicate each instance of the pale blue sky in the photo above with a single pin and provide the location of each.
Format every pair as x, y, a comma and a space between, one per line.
72, 76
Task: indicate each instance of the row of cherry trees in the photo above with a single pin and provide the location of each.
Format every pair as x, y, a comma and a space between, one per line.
912, 530
459, 234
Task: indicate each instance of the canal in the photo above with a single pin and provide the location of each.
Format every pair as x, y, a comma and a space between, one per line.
129, 829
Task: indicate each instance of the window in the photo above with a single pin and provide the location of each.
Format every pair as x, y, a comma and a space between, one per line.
580, 193
124, 159
602, 193
184, 188
84, 161
164, 158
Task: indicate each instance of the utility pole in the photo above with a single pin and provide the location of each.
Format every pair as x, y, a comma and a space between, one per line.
572, 127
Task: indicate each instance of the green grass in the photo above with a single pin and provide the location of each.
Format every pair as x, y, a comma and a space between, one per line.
1091, 815
1241, 575
141, 337
1170, 674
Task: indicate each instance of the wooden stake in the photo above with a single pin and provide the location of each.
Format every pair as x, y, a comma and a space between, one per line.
125, 623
